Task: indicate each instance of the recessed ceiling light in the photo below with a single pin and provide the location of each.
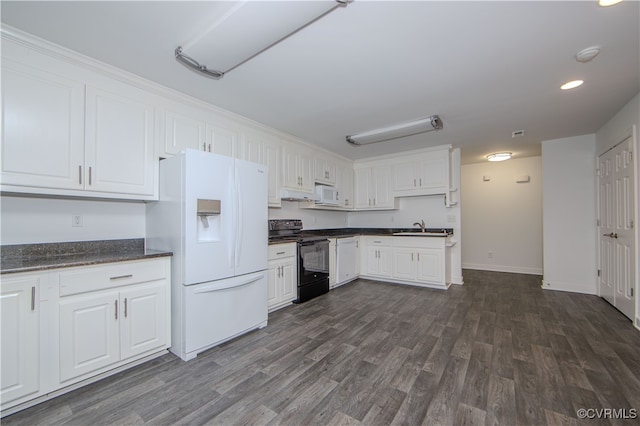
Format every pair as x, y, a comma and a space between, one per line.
605, 3
499, 156
571, 84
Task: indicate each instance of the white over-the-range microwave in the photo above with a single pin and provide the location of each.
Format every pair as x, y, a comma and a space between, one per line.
327, 195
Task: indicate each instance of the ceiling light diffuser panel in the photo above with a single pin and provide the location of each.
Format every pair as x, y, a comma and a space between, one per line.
396, 131
247, 29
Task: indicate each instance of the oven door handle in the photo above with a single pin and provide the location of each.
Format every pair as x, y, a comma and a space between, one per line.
310, 243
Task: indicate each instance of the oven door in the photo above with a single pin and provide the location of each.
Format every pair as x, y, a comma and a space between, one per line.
313, 261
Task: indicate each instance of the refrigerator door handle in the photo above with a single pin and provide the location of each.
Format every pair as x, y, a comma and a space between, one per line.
229, 284
234, 221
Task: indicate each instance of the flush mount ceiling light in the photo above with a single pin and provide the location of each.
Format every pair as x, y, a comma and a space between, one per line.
571, 84
585, 55
606, 3
248, 29
499, 156
397, 131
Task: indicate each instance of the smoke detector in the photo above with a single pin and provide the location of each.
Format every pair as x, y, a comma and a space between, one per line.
585, 55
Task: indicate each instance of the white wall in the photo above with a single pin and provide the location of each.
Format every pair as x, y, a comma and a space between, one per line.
311, 218
569, 214
502, 219
26, 220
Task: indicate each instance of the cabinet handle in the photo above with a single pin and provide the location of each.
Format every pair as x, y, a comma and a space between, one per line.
412, 257
125, 307
374, 201
33, 298
209, 147
369, 201
116, 309
418, 254
120, 277
280, 252
420, 181
414, 183
204, 146
80, 175
89, 175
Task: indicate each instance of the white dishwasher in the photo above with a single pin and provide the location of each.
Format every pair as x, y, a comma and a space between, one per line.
347, 256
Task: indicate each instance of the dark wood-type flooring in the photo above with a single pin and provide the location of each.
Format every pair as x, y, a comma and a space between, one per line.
496, 351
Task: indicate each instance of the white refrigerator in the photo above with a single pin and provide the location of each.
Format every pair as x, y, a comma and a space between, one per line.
212, 214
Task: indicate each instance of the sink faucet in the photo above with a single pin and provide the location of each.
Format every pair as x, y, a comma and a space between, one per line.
423, 227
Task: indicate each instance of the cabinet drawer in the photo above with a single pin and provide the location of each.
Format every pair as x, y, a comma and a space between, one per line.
379, 241
279, 251
92, 278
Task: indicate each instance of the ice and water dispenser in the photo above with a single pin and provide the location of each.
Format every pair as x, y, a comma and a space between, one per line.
208, 220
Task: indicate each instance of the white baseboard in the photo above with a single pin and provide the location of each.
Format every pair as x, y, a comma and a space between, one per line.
570, 287
503, 268
458, 280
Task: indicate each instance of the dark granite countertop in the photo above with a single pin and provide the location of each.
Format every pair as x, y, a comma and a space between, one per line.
45, 256
352, 232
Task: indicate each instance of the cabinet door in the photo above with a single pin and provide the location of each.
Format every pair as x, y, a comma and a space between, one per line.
404, 265
143, 319
274, 273
405, 176
252, 147
291, 177
385, 257
119, 153
372, 262
89, 333
288, 282
223, 140
20, 349
42, 128
182, 131
305, 168
362, 188
430, 263
344, 184
382, 186
434, 173
272, 155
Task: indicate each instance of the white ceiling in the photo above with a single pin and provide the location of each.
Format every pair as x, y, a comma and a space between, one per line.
487, 68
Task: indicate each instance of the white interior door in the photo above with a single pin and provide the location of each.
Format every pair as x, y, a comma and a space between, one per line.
617, 240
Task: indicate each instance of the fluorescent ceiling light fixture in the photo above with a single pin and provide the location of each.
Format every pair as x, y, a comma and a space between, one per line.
606, 3
397, 131
499, 156
571, 84
247, 29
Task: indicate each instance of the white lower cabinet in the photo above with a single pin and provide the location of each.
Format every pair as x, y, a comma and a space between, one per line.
282, 275
376, 259
20, 338
99, 329
406, 260
71, 326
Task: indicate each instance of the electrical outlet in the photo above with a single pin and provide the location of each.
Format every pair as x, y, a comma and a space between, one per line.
490, 255
76, 221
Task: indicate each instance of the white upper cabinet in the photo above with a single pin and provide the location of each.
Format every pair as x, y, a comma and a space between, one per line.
325, 171
298, 168
344, 184
222, 139
119, 143
373, 188
42, 123
423, 174
181, 130
71, 131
